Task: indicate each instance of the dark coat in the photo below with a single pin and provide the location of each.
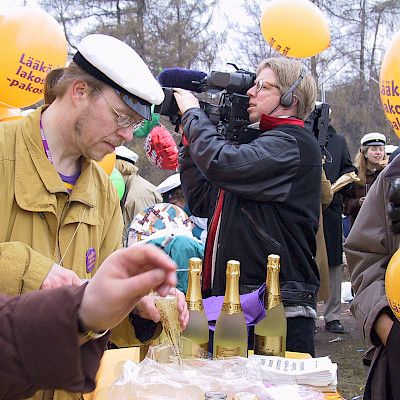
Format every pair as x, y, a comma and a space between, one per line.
40, 344
271, 204
369, 248
338, 162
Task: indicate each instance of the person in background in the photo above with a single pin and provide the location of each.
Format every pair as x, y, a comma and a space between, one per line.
251, 190
391, 151
59, 212
337, 163
373, 239
139, 193
321, 257
370, 161
171, 191
168, 227
48, 337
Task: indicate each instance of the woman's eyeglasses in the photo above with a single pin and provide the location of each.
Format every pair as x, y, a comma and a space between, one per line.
262, 84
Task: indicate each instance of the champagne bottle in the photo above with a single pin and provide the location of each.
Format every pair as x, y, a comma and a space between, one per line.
230, 337
197, 328
270, 332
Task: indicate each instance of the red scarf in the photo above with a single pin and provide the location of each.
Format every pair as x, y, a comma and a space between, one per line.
268, 123
207, 264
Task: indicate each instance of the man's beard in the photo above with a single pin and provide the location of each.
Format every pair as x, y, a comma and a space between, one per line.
79, 135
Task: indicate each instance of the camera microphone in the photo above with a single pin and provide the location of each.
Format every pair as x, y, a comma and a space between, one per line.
188, 79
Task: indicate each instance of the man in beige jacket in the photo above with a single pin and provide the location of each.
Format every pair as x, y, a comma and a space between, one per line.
139, 193
59, 212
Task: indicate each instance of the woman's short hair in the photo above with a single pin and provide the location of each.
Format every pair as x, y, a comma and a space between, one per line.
287, 71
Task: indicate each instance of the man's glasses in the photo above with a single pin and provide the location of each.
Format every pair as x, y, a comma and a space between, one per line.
262, 84
123, 120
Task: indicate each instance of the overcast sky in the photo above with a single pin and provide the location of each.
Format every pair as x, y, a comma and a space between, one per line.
227, 11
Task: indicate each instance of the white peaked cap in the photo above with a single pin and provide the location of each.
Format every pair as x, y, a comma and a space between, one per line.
170, 183
124, 153
390, 148
115, 63
373, 139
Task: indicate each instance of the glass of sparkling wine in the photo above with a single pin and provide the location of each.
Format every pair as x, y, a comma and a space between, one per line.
168, 308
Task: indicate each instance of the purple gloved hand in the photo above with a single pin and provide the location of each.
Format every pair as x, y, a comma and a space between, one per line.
252, 304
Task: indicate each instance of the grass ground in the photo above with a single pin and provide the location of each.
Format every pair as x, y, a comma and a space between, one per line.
346, 350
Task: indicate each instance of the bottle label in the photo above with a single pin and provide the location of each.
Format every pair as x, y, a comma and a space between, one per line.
231, 308
269, 346
195, 305
196, 350
227, 351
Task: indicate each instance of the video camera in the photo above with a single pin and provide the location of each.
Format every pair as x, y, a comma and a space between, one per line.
229, 115
318, 122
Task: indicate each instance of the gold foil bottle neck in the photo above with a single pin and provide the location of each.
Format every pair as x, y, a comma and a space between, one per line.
233, 267
195, 265
193, 295
274, 262
231, 303
273, 288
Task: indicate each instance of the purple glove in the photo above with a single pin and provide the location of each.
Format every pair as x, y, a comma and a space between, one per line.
252, 304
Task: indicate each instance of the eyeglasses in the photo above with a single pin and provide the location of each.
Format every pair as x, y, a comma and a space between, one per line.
262, 84
123, 120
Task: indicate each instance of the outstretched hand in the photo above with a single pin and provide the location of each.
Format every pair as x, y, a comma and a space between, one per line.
121, 281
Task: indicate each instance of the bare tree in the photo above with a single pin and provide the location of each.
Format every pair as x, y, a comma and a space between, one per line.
363, 27
347, 73
165, 33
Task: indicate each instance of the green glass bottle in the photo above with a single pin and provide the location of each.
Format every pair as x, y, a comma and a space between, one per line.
230, 336
270, 332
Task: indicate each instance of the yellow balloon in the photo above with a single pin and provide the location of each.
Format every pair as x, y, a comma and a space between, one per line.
295, 28
392, 279
389, 82
108, 162
8, 114
31, 44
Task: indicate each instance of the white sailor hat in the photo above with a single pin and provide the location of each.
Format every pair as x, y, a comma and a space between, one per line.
116, 64
172, 182
123, 153
373, 139
390, 148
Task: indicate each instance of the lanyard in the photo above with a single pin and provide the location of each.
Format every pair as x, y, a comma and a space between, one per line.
45, 143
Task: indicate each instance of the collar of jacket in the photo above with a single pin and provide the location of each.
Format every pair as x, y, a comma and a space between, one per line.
126, 168
36, 180
268, 122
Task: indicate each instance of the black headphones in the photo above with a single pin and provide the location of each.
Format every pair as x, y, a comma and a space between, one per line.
287, 98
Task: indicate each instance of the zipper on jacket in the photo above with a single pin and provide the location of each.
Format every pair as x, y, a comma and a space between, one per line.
259, 229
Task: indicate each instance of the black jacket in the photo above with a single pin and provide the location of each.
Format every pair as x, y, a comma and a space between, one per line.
338, 162
271, 206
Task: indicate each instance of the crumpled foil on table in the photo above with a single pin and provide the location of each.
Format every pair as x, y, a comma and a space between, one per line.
191, 379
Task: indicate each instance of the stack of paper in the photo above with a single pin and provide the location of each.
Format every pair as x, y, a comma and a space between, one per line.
319, 373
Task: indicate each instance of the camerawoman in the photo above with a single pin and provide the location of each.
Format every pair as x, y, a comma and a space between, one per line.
262, 195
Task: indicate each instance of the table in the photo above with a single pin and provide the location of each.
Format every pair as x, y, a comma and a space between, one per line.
112, 361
